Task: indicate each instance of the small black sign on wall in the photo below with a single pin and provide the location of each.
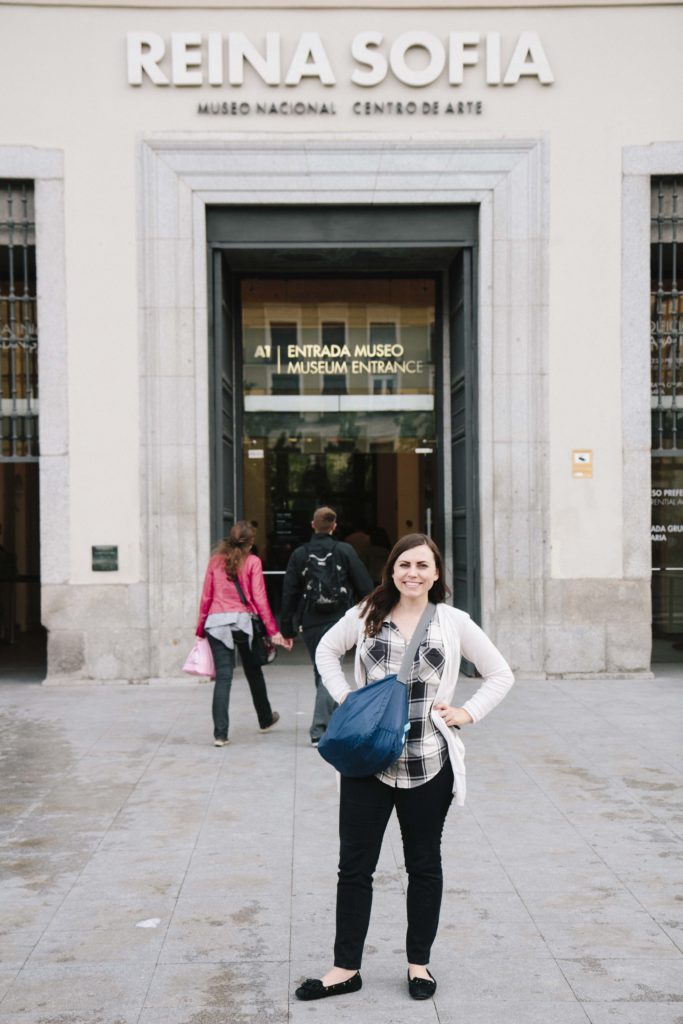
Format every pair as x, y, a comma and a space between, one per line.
105, 558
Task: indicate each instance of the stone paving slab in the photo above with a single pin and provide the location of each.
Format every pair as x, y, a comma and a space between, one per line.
121, 1016
513, 1011
563, 897
634, 1013
631, 979
104, 987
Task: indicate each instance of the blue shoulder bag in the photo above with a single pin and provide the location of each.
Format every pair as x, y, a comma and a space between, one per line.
368, 731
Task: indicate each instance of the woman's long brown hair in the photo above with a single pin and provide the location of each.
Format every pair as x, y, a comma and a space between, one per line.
379, 603
235, 547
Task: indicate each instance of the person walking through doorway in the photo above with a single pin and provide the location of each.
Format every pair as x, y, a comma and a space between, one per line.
323, 579
227, 622
421, 783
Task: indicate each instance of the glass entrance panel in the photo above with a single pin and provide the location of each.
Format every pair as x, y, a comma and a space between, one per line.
338, 399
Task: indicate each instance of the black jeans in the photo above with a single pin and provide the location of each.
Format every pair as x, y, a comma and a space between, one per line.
364, 811
224, 660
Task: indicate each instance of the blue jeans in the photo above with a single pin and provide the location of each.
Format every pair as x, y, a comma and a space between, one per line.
324, 703
224, 660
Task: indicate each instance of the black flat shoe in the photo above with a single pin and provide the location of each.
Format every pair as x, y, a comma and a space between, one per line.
313, 988
421, 988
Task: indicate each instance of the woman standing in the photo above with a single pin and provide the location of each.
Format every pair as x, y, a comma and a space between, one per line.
226, 620
429, 771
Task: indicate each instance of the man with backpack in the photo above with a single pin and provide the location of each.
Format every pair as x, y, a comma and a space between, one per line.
324, 578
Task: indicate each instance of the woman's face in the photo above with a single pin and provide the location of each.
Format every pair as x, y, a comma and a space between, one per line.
415, 571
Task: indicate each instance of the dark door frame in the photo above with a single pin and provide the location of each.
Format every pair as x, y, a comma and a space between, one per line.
269, 251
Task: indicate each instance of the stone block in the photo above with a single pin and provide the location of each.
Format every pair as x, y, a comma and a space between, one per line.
174, 411
587, 600
525, 270
169, 342
575, 649
629, 647
65, 653
177, 480
501, 345
174, 646
54, 551
178, 606
518, 601
69, 606
501, 273
117, 654
553, 590
521, 646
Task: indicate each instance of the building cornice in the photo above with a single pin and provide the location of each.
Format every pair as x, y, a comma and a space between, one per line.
342, 5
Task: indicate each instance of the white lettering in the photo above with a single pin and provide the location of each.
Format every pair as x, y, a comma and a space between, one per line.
423, 41
241, 49
215, 58
459, 55
145, 50
317, 366
493, 72
416, 59
379, 351
362, 53
310, 61
528, 45
185, 55
317, 351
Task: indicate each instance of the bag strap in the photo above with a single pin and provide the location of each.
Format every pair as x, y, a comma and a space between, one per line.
238, 587
415, 641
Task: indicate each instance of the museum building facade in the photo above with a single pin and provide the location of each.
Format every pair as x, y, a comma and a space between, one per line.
422, 265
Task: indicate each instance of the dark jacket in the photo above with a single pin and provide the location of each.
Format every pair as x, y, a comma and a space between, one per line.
294, 612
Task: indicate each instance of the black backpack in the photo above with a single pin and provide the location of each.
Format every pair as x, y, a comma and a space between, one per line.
326, 587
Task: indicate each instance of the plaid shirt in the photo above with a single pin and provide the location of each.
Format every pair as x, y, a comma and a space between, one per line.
425, 751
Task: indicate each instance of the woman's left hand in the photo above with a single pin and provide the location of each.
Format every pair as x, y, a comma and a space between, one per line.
280, 641
453, 716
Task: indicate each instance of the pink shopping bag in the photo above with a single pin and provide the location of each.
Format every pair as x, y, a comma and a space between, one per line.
200, 659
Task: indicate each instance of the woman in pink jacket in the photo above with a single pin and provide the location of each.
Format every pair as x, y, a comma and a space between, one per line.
226, 620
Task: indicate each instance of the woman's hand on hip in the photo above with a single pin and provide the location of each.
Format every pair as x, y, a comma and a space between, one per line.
454, 716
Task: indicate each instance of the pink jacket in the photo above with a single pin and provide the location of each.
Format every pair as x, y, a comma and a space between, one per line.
219, 594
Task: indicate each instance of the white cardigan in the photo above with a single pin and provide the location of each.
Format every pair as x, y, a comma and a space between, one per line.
461, 638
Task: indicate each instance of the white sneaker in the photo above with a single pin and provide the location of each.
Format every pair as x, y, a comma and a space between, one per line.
220, 743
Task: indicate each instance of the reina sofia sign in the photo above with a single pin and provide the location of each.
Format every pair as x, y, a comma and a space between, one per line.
193, 59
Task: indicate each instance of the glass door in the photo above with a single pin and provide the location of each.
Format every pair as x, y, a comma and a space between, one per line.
338, 381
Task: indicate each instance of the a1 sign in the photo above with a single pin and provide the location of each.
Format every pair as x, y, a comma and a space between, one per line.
582, 463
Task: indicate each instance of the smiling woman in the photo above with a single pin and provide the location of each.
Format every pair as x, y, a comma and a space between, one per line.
421, 782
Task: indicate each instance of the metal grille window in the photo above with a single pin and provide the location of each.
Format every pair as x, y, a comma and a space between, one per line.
18, 324
666, 309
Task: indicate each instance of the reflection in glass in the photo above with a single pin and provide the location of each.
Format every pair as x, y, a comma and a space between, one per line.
338, 382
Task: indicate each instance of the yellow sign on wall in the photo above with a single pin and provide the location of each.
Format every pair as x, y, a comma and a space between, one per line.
582, 463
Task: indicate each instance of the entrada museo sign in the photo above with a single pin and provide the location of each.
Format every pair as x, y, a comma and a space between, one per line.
194, 59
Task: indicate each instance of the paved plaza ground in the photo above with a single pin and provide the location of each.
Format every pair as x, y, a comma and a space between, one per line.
149, 878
